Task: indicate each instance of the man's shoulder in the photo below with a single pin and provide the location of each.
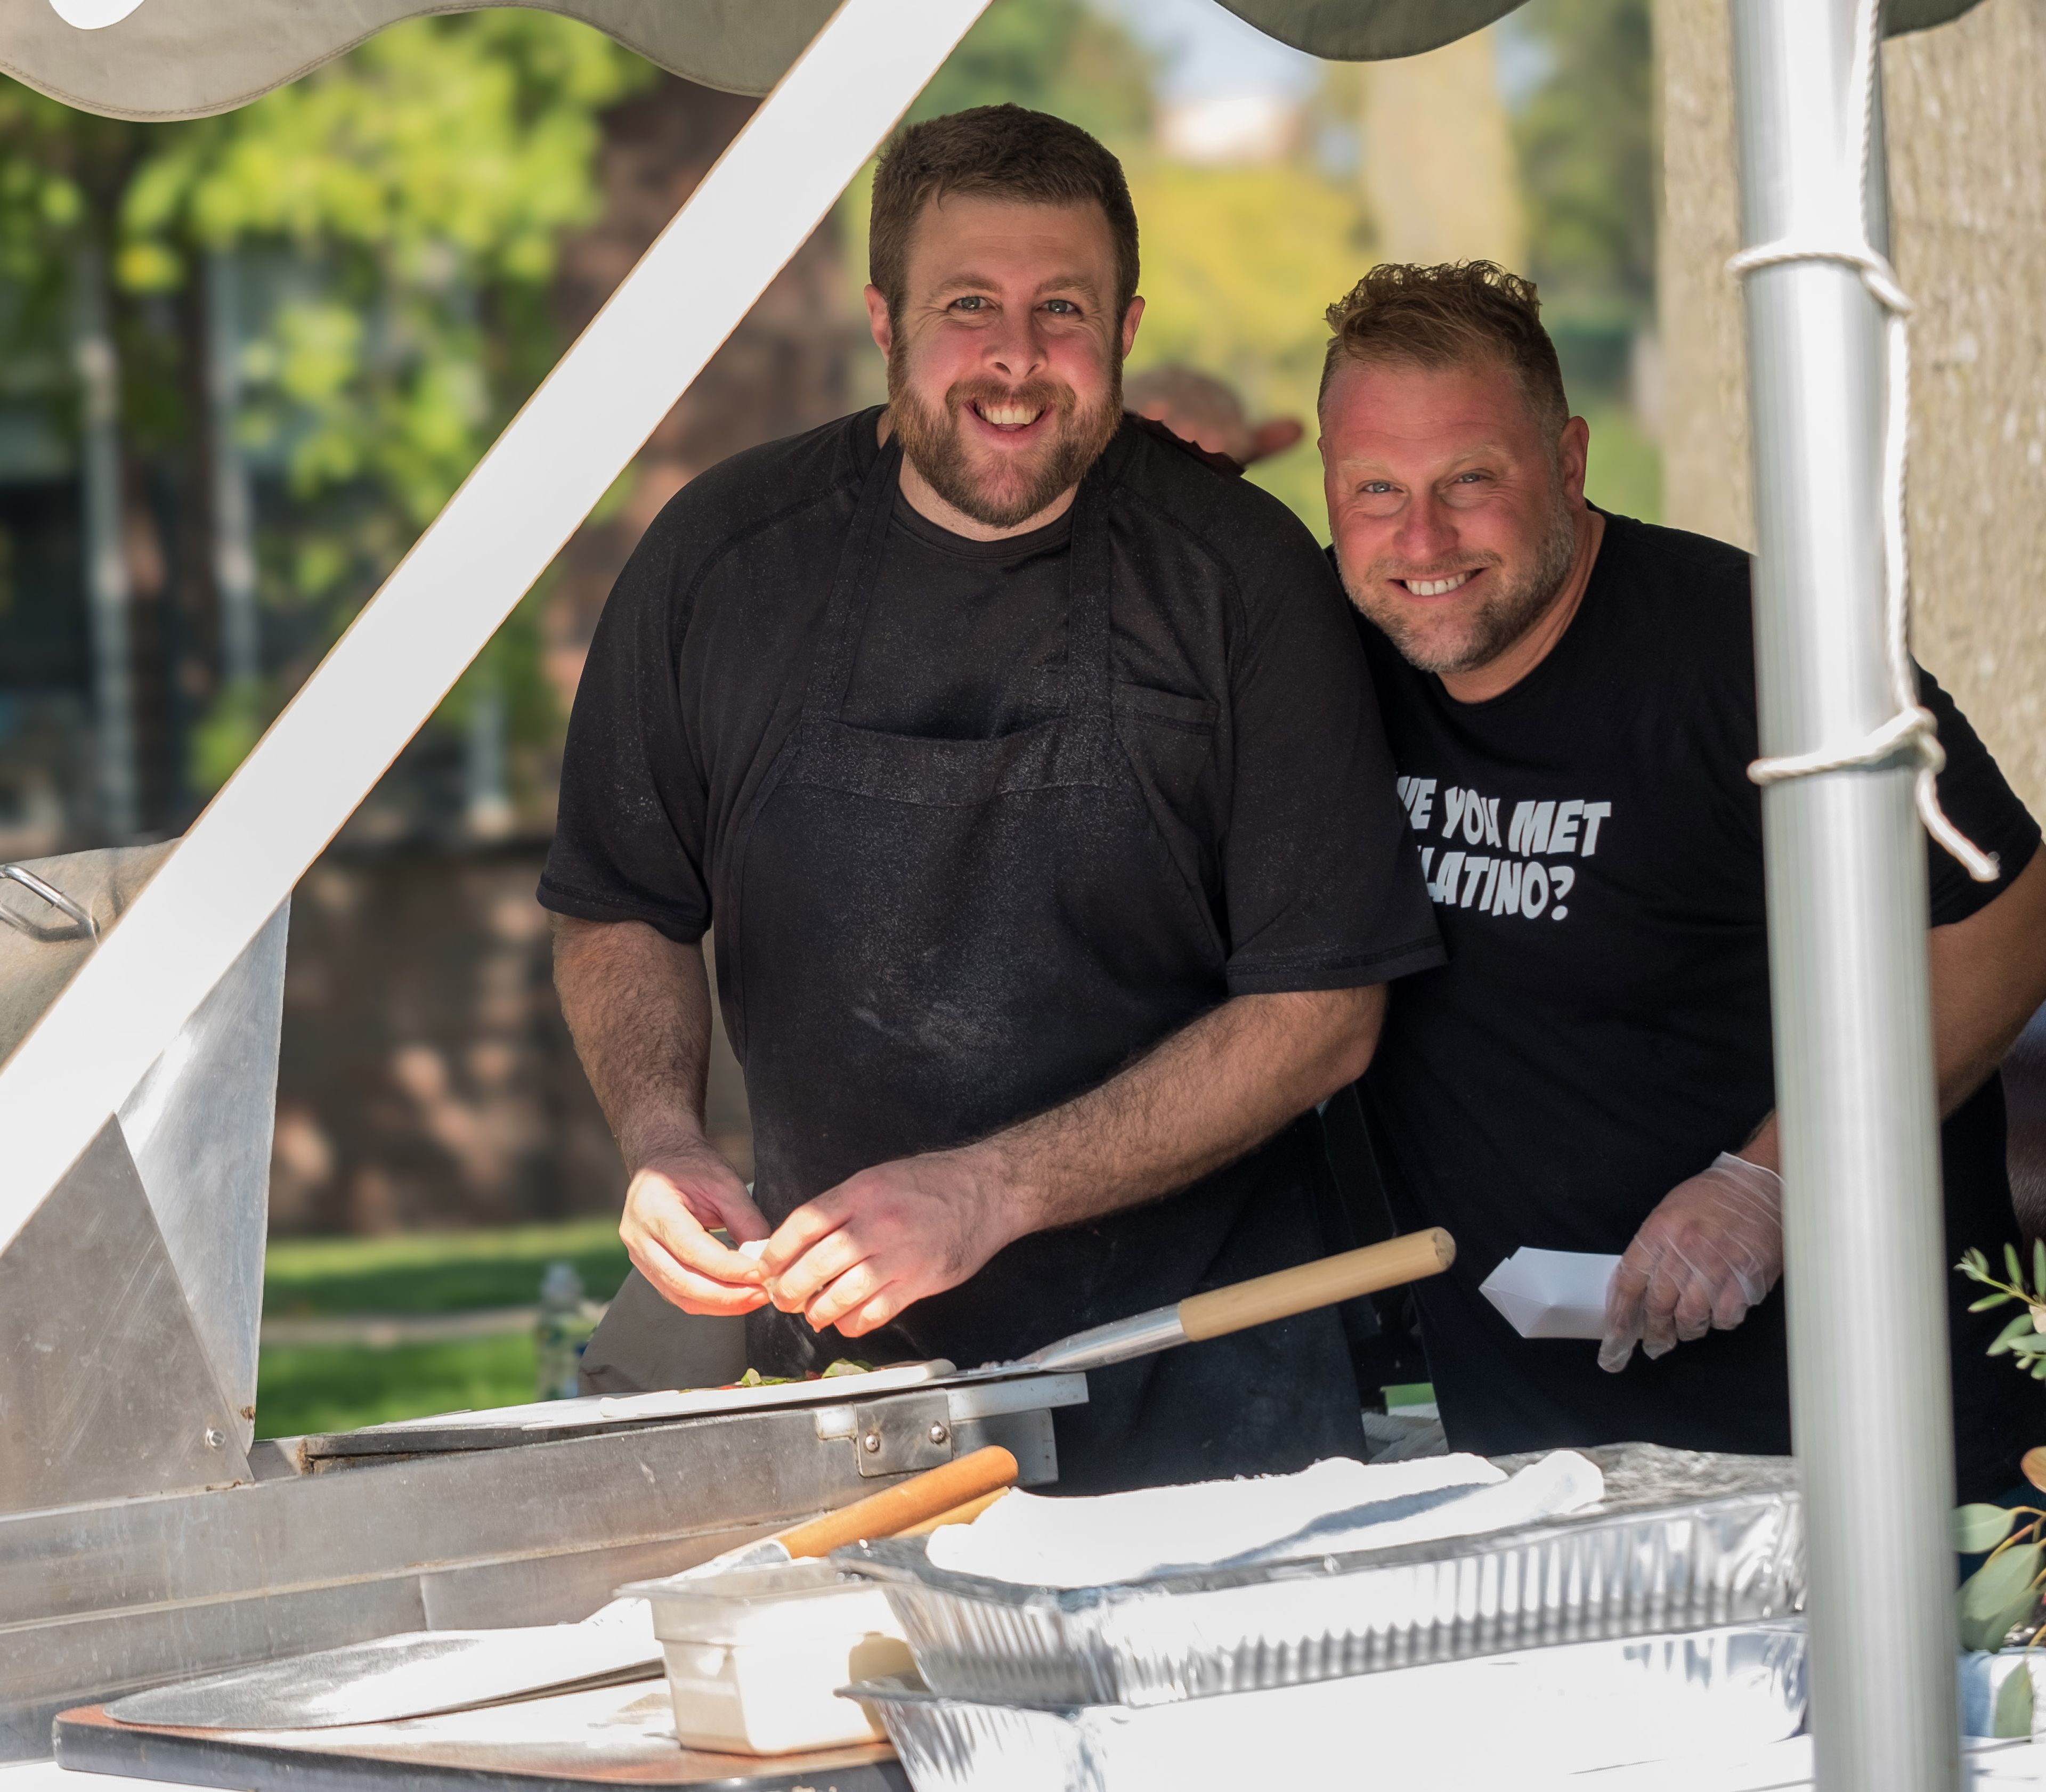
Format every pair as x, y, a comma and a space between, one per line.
1206, 498
1689, 562
1674, 577
776, 482
1676, 608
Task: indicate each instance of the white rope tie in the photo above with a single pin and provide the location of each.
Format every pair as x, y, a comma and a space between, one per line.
1912, 729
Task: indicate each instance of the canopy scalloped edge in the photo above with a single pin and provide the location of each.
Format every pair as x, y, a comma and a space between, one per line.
185, 58
1380, 30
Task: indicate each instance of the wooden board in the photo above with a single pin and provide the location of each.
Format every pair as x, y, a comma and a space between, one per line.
613, 1736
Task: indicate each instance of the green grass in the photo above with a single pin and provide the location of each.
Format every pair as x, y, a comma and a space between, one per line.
437, 1272
341, 1387
338, 1387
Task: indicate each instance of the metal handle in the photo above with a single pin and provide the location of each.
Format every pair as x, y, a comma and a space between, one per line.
55, 897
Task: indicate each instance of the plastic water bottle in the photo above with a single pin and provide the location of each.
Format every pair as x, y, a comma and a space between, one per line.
561, 1331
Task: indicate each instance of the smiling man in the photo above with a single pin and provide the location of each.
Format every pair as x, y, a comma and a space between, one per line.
1027, 768
1570, 700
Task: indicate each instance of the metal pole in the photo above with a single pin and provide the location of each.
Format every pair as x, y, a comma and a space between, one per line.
234, 510
1864, 1244
106, 588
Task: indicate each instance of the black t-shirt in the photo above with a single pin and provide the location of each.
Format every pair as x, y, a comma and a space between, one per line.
1257, 846
1601, 1031
1229, 630
965, 639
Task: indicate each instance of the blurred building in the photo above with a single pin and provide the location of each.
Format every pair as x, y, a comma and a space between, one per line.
1222, 130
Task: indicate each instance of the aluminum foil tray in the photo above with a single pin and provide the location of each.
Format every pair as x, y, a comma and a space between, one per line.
1681, 1542
1527, 1721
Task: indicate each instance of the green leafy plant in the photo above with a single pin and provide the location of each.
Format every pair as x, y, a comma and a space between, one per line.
2001, 1598
2025, 1338
2002, 1595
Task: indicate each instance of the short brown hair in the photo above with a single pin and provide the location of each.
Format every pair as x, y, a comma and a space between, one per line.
1444, 316
998, 152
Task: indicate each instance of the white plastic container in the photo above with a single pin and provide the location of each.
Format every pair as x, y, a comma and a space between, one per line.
755, 1658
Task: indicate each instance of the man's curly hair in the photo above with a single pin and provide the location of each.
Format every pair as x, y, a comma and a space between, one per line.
1448, 316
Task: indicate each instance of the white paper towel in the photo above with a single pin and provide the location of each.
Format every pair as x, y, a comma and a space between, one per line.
1552, 1293
1338, 1506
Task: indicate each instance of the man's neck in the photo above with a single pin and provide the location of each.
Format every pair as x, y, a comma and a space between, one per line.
1498, 675
923, 499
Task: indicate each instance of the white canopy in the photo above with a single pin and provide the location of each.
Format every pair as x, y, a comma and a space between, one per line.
183, 59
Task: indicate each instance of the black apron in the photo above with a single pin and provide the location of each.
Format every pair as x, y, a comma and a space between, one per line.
922, 940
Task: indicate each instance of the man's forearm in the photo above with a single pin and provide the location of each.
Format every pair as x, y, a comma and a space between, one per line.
638, 1005
1199, 1100
1988, 976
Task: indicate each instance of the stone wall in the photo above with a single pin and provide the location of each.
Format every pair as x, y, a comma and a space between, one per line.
426, 1077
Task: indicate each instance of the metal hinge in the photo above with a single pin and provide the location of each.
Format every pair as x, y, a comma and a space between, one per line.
894, 1436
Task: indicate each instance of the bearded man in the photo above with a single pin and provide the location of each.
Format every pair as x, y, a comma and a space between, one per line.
1028, 767
1570, 698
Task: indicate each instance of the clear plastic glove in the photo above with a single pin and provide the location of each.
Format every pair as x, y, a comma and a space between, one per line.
1711, 1249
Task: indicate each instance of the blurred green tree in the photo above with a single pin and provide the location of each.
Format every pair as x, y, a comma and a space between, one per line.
1590, 175
1052, 56
398, 209
1588, 156
1239, 264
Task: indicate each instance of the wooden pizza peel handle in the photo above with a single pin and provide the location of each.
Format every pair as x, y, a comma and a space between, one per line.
959, 1515
1321, 1283
908, 1502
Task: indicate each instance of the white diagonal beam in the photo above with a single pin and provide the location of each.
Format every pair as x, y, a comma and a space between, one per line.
386, 676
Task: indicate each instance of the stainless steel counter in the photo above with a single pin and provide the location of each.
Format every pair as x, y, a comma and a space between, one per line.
103, 1598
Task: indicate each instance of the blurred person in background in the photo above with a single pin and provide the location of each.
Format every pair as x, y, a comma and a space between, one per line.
1028, 767
1570, 700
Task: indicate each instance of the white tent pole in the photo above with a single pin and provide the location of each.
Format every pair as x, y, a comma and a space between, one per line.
383, 678
1866, 1277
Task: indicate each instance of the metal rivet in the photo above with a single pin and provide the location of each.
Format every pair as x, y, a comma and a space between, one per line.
939, 1434
872, 1443
215, 1439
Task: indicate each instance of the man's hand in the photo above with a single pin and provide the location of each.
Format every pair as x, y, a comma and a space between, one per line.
677, 1195
1202, 411
1712, 1248
860, 1252
638, 1005
882, 1240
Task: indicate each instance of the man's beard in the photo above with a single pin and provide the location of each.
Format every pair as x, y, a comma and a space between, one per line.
1495, 626
1010, 492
